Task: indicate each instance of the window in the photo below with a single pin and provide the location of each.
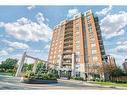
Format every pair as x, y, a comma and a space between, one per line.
94, 51
77, 29
67, 61
92, 40
92, 45
77, 53
77, 21
88, 17
77, 37
88, 21
77, 47
90, 29
89, 25
91, 34
77, 59
95, 58
78, 42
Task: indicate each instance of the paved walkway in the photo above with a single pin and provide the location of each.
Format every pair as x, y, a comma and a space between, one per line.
90, 84
13, 83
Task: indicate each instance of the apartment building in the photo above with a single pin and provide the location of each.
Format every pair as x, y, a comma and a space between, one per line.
111, 60
125, 65
77, 43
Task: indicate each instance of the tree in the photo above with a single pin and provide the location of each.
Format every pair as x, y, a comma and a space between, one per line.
9, 65
27, 67
113, 71
41, 67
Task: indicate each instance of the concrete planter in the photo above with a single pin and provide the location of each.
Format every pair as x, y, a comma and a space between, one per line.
38, 81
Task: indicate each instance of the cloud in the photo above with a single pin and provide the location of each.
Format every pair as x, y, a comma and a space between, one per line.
72, 12
113, 25
26, 30
40, 18
47, 47
3, 53
121, 47
16, 45
31, 7
104, 11
10, 49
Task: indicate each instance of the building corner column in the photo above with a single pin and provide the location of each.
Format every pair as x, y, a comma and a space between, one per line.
60, 65
73, 65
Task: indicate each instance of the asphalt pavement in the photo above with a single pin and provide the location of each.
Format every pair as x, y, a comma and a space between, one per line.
13, 83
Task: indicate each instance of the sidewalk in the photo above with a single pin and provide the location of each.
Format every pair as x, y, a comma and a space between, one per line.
90, 84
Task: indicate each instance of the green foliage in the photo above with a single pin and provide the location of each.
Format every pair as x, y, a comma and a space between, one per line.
54, 72
42, 76
29, 75
77, 78
9, 65
41, 67
27, 67
42, 73
113, 71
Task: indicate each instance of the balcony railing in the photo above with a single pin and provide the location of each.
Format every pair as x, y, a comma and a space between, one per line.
68, 33
68, 43
68, 37
66, 63
69, 46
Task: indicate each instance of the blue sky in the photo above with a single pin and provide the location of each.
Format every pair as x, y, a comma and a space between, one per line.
30, 27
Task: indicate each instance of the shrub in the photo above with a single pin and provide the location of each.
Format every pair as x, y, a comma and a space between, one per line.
42, 76
29, 75
77, 78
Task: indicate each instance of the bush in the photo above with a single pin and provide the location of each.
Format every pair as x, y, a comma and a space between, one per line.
42, 76
77, 78
29, 75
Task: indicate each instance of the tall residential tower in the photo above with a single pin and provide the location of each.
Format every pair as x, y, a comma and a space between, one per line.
77, 44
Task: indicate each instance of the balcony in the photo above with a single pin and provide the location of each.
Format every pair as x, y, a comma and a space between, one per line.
68, 29
67, 52
68, 38
68, 47
66, 63
68, 34
67, 58
68, 42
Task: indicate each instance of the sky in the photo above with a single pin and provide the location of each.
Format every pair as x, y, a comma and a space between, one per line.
29, 28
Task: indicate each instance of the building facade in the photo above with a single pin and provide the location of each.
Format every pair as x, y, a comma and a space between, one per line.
125, 65
111, 60
77, 44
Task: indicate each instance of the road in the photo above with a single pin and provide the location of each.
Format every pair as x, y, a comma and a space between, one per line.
13, 83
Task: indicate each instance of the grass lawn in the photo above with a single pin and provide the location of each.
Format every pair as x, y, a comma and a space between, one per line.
4, 73
109, 83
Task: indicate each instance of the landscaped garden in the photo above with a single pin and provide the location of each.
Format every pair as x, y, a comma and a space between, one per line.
42, 75
8, 67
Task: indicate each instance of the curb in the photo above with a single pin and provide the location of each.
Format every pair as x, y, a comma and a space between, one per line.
90, 84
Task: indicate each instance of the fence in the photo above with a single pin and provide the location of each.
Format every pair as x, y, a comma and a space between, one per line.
121, 78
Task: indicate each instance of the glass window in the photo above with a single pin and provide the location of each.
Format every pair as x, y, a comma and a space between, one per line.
77, 59
77, 42
89, 25
94, 51
92, 45
88, 16
95, 58
77, 28
77, 37
77, 46
77, 54
90, 29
